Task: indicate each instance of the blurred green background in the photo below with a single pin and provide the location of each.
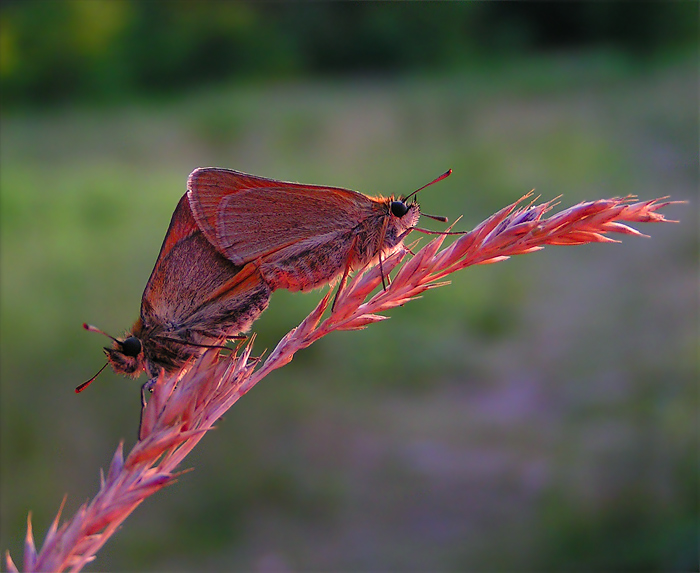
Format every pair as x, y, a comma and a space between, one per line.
541, 413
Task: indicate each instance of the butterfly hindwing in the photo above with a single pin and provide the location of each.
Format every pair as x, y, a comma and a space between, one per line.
195, 294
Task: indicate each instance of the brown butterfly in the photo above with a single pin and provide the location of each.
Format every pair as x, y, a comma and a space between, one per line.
195, 299
301, 236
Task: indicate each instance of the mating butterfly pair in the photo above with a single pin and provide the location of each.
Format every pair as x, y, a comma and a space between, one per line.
233, 239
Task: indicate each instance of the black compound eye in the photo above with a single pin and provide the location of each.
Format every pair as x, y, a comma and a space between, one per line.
131, 346
399, 208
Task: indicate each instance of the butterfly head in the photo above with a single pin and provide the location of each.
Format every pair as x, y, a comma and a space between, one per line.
400, 208
126, 356
404, 215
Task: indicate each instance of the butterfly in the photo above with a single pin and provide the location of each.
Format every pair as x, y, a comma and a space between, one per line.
302, 236
194, 299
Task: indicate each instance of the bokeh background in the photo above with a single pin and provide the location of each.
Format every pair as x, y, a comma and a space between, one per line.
541, 413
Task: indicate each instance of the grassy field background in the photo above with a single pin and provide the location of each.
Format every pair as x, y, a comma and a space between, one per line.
541, 413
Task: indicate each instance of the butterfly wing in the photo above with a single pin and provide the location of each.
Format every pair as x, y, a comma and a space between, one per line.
246, 217
182, 225
195, 294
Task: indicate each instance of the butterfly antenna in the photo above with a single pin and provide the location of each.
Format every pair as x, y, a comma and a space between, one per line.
91, 328
86, 384
443, 176
436, 217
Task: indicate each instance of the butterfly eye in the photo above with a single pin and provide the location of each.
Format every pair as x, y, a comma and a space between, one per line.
131, 346
399, 208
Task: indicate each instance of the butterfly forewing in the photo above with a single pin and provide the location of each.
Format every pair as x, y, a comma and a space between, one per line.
247, 217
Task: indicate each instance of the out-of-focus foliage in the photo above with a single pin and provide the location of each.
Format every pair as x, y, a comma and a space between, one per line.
106, 49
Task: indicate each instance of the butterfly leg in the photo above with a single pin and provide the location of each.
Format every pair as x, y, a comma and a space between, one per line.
341, 285
346, 272
386, 279
147, 388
